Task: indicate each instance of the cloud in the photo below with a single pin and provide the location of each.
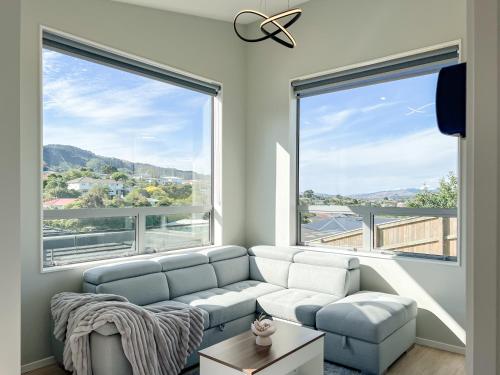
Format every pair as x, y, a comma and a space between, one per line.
326, 123
116, 114
407, 161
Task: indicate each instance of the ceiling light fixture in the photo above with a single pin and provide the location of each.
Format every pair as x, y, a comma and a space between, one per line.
287, 40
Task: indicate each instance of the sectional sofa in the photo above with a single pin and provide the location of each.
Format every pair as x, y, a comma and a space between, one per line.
364, 330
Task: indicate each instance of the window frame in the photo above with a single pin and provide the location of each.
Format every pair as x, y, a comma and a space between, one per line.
368, 212
139, 213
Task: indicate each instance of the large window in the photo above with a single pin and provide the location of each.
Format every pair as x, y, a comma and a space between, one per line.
127, 156
375, 173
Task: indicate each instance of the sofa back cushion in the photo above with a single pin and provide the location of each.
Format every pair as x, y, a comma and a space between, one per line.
141, 290
191, 279
318, 258
218, 253
141, 282
329, 280
274, 252
231, 271
271, 271
177, 261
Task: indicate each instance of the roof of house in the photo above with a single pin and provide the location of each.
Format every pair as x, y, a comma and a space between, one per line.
341, 223
58, 202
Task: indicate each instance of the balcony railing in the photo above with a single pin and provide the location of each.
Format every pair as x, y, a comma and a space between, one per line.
82, 235
424, 232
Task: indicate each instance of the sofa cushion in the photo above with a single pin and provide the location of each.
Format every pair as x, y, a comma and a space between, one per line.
327, 260
118, 271
253, 288
230, 271
274, 252
294, 304
218, 253
180, 305
177, 261
192, 279
367, 316
329, 280
222, 305
141, 290
269, 270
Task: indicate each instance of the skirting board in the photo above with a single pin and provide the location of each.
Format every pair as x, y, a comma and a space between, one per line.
440, 345
37, 364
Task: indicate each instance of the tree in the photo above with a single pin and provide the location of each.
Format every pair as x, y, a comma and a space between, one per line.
445, 197
137, 198
109, 169
308, 194
96, 197
56, 187
120, 176
178, 192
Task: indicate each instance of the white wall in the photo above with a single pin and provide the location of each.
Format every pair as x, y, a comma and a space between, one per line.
10, 265
483, 264
203, 47
333, 34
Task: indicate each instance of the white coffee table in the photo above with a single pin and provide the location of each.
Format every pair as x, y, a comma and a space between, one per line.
295, 350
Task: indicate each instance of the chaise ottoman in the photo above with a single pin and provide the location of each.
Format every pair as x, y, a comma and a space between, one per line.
368, 330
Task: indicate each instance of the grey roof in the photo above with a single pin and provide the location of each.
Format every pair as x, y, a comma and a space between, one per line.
341, 223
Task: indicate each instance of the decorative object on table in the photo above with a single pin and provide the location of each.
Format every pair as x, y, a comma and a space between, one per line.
267, 21
263, 328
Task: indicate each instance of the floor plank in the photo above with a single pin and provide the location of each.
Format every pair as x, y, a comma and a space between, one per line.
420, 360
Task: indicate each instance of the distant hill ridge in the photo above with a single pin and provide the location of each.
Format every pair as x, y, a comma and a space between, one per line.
64, 157
391, 194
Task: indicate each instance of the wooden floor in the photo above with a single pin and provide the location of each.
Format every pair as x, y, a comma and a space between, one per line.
418, 361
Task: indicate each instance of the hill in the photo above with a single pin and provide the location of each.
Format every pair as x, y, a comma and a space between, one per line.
64, 157
400, 194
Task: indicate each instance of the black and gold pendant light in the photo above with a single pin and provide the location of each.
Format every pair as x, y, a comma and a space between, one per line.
279, 34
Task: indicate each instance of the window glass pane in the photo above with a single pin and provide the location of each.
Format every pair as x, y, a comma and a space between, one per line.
67, 241
377, 145
377, 150
116, 139
435, 236
169, 232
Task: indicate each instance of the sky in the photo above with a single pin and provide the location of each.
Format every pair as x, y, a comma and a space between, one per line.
374, 138
119, 114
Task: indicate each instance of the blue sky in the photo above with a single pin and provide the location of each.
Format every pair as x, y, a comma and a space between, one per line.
123, 115
374, 138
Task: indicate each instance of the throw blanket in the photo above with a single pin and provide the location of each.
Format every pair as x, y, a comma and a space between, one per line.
156, 341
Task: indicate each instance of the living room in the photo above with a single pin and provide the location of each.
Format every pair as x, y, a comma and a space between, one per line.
153, 140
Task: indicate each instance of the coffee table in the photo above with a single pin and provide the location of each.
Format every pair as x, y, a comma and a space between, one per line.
295, 350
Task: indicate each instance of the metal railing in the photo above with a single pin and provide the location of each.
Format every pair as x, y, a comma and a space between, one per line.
63, 246
368, 229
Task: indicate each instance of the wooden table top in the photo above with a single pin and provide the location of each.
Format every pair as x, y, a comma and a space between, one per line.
241, 353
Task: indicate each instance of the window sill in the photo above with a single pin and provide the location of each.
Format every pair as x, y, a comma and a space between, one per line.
86, 265
377, 255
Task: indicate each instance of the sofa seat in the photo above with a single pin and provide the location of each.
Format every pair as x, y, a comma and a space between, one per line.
253, 288
296, 305
204, 313
222, 305
367, 316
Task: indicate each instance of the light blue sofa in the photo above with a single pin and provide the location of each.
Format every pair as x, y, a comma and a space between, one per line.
364, 330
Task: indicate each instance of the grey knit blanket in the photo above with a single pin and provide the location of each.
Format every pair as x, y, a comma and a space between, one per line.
156, 341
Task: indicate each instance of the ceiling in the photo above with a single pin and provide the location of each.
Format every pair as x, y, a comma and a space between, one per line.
223, 10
